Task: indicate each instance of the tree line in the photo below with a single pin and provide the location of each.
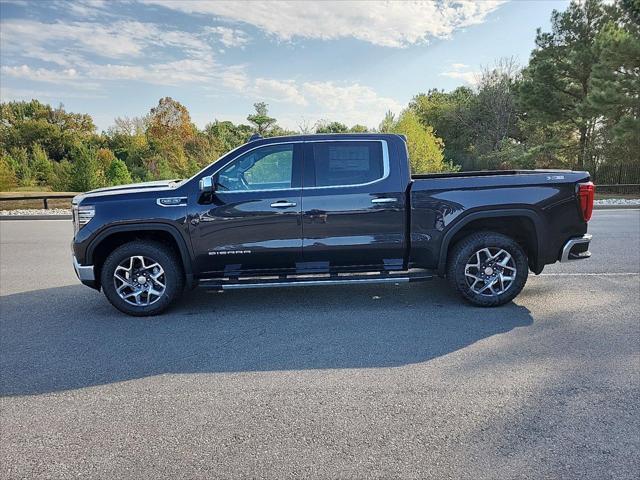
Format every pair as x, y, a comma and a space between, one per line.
576, 104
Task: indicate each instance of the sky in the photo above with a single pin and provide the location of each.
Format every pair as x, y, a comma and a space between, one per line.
339, 61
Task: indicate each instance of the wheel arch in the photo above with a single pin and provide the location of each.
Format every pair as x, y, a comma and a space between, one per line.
523, 225
112, 237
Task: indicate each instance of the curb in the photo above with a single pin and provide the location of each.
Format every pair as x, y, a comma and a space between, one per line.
35, 217
616, 207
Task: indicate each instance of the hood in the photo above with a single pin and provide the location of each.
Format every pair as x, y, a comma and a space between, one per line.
125, 189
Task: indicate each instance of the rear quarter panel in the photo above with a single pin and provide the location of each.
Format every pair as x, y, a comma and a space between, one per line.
440, 206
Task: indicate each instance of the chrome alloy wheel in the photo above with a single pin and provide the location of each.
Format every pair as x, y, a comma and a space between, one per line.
490, 271
139, 281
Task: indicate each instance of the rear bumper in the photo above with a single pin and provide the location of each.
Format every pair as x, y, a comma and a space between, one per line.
576, 248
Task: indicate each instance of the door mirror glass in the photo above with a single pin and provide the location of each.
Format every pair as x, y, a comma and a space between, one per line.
206, 184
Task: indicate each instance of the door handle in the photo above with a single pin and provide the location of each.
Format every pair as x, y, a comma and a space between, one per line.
283, 204
384, 200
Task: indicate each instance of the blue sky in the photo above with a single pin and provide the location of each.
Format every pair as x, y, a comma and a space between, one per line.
344, 61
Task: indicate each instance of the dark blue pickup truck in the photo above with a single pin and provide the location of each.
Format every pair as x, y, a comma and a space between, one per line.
327, 209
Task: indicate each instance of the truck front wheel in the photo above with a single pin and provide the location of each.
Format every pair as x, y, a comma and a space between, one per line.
142, 278
487, 268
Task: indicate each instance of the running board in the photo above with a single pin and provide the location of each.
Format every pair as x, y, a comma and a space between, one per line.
235, 284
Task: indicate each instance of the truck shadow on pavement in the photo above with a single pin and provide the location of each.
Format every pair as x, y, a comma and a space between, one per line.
70, 337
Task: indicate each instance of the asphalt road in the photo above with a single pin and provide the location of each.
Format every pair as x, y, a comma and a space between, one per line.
337, 382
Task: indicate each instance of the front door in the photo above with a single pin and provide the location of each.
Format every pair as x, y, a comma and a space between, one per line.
353, 207
251, 223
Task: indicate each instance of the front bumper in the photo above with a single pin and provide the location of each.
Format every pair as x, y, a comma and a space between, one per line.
85, 273
576, 248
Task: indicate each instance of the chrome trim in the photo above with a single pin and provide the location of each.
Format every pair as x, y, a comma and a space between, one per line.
181, 204
384, 200
283, 204
84, 272
307, 283
226, 192
572, 242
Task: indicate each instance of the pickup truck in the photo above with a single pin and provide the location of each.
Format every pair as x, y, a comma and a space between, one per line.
327, 209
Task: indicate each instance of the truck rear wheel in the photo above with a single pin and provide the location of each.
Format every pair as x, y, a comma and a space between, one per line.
142, 278
488, 269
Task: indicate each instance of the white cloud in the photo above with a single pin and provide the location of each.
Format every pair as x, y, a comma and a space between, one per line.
229, 37
279, 91
8, 94
459, 71
459, 66
67, 76
390, 24
186, 57
117, 40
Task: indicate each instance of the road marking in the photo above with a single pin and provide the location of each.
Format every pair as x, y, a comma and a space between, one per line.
603, 274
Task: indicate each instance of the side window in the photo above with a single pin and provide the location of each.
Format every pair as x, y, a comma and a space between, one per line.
266, 168
347, 163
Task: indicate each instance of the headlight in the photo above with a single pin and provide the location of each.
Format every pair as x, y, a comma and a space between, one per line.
82, 215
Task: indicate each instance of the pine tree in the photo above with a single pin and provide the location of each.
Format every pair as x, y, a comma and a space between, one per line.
261, 120
615, 92
85, 171
118, 173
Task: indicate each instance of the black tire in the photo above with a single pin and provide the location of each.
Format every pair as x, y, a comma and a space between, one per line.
173, 277
465, 251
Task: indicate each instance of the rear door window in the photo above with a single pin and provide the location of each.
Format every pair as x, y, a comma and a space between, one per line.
347, 163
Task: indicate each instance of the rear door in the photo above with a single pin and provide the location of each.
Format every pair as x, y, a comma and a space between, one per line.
353, 207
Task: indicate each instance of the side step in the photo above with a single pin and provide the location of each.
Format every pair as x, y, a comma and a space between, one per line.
312, 280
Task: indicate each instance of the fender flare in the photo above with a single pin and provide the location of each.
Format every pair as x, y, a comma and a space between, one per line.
532, 215
185, 253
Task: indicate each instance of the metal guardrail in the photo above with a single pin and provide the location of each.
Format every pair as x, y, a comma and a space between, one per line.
618, 188
45, 197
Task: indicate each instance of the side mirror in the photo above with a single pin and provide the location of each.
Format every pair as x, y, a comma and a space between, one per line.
206, 184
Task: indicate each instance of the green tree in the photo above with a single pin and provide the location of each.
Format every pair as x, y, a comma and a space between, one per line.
24, 123
615, 83
388, 122
557, 82
357, 128
261, 121
425, 149
41, 166
85, 171
118, 173
8, 179
226, 136
331, 127
448, 113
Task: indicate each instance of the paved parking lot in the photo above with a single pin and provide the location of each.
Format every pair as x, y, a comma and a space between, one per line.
335, 382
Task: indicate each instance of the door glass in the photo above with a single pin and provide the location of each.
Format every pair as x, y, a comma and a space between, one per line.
266, 168
347, 163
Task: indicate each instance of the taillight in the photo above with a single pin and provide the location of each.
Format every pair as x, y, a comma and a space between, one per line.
586, 192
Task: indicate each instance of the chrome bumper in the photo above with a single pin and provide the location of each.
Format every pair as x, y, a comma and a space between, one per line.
84, 272
567, 253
